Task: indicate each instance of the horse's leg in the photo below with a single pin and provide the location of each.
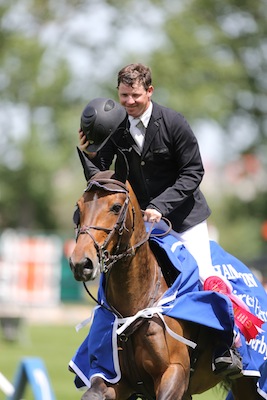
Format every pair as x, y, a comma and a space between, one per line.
164, 359
245, 388
173, 384
101, 391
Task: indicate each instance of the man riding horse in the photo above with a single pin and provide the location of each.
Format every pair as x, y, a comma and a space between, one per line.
165, 171
112, 238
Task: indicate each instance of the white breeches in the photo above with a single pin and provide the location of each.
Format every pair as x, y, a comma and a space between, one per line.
196, 240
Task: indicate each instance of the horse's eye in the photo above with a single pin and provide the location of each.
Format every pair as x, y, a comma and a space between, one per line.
76, 216
116, 208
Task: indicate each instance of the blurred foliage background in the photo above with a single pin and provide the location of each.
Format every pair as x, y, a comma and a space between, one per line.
209, 61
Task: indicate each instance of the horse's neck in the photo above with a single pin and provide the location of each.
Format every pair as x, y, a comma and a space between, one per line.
135, 284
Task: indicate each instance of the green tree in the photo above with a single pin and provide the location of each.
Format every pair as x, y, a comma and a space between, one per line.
213, 68
214, 62
36, 139
53, 58
208, 60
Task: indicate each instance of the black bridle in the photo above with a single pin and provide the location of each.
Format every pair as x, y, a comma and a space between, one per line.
106, 259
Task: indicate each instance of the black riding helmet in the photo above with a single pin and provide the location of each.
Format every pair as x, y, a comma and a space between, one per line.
99, 120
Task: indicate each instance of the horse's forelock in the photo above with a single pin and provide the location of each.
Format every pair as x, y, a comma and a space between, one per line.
106, 180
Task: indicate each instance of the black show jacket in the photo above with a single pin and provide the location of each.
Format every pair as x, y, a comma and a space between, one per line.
167, 173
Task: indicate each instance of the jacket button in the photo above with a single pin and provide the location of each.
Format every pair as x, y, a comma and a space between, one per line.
143, 163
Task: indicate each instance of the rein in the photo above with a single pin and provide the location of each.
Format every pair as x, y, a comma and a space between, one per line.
107, 260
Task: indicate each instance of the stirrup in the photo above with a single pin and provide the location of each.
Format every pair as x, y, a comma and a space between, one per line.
227, 362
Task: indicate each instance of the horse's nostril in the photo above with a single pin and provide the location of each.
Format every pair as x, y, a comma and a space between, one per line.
82, 269
87, 264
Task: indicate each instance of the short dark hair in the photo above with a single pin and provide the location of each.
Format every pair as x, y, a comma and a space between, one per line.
135, 73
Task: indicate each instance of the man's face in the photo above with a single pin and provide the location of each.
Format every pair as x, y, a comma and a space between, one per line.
135, 98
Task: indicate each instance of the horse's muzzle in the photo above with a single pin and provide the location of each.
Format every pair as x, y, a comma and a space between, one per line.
82, 270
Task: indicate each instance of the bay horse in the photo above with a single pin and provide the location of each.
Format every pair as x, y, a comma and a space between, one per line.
112, 240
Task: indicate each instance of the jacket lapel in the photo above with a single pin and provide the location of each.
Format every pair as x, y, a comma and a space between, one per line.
152, 128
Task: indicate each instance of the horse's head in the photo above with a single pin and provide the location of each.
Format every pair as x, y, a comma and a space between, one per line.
105, 220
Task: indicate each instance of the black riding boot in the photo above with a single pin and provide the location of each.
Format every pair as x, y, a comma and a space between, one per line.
227, 362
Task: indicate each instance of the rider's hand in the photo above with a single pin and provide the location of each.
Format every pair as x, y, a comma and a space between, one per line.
84, 143
152, 215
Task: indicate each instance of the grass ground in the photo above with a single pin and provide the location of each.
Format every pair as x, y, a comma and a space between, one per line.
55, 345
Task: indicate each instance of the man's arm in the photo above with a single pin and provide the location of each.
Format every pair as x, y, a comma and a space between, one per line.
102, 159
189, 166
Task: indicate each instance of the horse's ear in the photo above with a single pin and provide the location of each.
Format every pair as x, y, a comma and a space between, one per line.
89, 168
121, 167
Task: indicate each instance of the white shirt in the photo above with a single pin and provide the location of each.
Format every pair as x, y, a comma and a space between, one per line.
138, 132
